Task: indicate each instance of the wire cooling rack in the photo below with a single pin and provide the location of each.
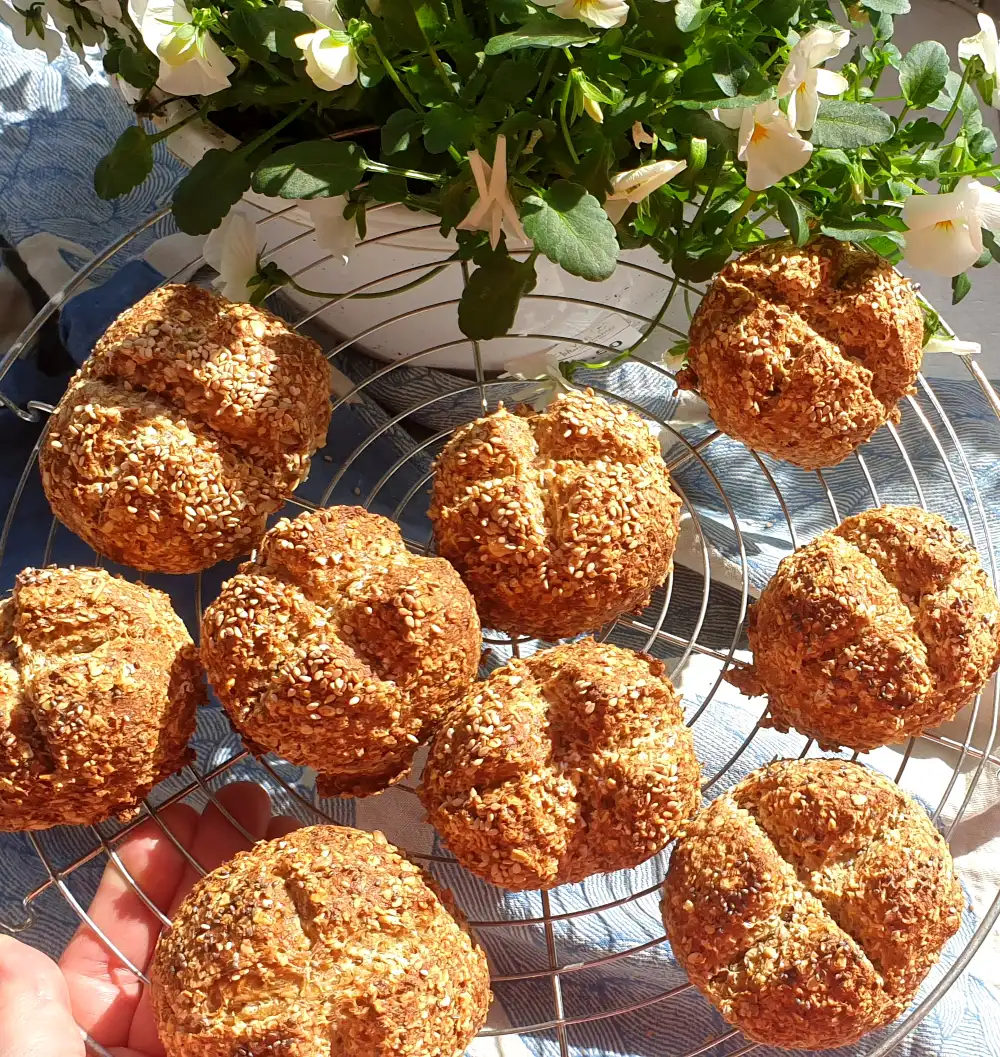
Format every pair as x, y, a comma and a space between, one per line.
702, 622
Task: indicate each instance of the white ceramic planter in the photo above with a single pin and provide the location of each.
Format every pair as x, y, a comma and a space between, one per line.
400, 240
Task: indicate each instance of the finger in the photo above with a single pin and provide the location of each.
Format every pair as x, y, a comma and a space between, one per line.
35, 1015
103, 991
281, 826
215, 841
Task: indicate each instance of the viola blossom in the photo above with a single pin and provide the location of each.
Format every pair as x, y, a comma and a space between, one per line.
231, 249
637, 184
945, 230
32, 32
804, 82
771, 148
191, 63
984, 45
954, 346
330, 59
592, 108
602, 14
641, 136
334, 232
495, 210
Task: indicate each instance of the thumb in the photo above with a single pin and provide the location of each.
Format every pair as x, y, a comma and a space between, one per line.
35, 1017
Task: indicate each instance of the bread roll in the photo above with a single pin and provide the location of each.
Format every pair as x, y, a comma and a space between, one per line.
338, 649
804, 353
810, 901
323, 942
99, 682
878, 630
190, 423
558, 521
573, 762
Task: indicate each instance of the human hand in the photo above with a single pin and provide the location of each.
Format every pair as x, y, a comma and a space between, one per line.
44, 1006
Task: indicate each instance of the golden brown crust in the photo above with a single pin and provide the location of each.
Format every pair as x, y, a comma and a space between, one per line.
324, 941
340, 650
189, 424
99, 683
809, 902
875, 631
557, 521
573, 762
804, 353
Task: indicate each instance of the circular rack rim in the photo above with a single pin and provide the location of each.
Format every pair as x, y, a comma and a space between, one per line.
201, 782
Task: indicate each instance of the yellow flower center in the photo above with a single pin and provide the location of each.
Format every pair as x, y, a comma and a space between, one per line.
759, 133
944, 225
802, 88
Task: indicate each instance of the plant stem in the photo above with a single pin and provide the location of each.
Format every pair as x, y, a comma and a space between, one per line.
966, 73
396, 79
563, 106
886, 99
748, 204
546, 74
157, 136
902, 114
420, 280
707, 198
411, 174
648, 56
655, 322
248, 148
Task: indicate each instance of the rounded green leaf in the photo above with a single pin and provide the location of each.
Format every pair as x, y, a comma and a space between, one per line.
314, 169
542, 33
923, 72
210, 190
129, 162
841, 123
492, 294
571, 228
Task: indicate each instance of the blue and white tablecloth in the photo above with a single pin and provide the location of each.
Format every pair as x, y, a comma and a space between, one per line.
55, 122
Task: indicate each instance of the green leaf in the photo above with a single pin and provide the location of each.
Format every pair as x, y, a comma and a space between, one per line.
700, 266
492, 294
792, 213
210, 190
990, 241
841, 123
542, 33
260, 31
315, 169
138, 68
983, 141
248, 92
127, 164
388, 187
733, 69
960, 286
690, 15
512, 81
932, 321
967, 102
778, 13
922, 130
400, 21
834, 157
923, 72
860, 232
448, 125
888, 7
571, 228
400, 130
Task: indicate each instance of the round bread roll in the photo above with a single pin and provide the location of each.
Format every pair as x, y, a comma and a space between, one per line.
99, 683
189, 424
879, 629
810, 901
338, 649
323, 942
573, 762
804, 353
558, 521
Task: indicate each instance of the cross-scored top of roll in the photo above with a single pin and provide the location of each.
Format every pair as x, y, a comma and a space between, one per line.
804, 353
190, 423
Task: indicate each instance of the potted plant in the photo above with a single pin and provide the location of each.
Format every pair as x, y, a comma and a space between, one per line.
563, 133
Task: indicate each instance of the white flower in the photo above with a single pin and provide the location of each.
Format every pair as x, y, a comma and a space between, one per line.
640, 135
768, 144
955, 346
231, 249
803, 82
603, 14
334, 232
330, 59
983, 44
494, 210
191, 63
945, 230
637, 184
38, 34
